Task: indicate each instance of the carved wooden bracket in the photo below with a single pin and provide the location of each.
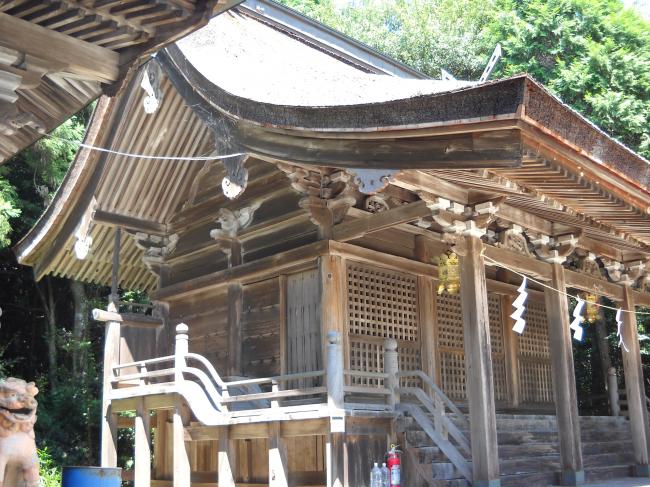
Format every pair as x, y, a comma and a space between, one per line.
588, 264
555, 250
513, 238
156, 248
231, 222
371, 181
327, 197
151, 77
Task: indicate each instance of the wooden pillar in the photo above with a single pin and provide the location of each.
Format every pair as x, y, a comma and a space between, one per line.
478, 364
160, 445
564, 379
333, 299
181, 458
510, 345
235, 307
108, 454
337, 460
634, 387
142, 456
278, 462
227, 458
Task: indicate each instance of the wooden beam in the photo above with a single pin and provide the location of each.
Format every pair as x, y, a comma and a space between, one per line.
601, 287
65, 54
133, 320
564, 383
478, 365
129, 223
414, 181
519, 262
352, 229
634, 387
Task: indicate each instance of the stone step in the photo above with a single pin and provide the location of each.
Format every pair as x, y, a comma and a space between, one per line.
596, 447
608, 472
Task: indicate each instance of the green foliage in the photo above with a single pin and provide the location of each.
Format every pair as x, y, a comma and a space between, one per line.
49, 471
594, 54
425, 34
8, 210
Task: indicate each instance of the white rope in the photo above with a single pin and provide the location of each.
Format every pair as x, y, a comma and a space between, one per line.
497, 263
146, 156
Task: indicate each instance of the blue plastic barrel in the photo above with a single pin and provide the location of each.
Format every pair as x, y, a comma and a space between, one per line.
91, 477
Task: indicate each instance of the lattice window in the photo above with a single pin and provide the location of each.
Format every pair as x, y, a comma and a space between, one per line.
452, 352
535, 379
381, 304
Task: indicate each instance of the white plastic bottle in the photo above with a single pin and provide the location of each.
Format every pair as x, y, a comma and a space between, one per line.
375, 476
385, 476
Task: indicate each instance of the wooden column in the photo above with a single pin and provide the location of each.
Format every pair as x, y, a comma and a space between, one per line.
337, 460
235, 306
478, 365
142, 456
333, 299
227, 458
108, 455
278, 462
564, 379
160, 445
510, 346
181, 457
634, 387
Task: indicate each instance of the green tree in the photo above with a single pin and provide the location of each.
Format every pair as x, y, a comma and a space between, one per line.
593, 54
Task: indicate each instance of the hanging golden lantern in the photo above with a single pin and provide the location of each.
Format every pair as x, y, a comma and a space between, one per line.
591, 307
448, 273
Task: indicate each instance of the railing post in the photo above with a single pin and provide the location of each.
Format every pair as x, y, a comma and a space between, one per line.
335, 382
181, 350
391, 368
612, 391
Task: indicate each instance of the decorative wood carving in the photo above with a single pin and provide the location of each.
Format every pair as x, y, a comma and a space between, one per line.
234, 182
371, 181
376, 203
513, 239
588, 264
156, 248
327, 197
150, 83
83, 240
231, 222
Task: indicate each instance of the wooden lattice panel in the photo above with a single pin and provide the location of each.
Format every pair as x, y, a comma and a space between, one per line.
535, 379
381, 304
451, 346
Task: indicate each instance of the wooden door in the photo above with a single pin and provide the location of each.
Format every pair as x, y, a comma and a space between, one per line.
304, 342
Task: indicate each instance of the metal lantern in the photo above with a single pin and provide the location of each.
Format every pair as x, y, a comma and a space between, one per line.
591, 307
449, 273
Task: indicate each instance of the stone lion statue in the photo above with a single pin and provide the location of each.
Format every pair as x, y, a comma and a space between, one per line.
18, 457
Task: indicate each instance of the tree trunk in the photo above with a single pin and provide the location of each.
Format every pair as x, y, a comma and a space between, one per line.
49, 307
79, 330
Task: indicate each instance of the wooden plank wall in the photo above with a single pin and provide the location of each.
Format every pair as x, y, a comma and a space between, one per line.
260, 329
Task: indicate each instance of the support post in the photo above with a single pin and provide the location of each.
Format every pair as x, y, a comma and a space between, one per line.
332, 276
181, 459
391, 368
278, 462
108, 454
511, 352
337, 460
227, 458
612, 392
235, 308
564, 382
634, 388
335, 379
142, 456
478, 364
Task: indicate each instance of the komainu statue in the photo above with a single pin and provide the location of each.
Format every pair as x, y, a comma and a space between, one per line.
18, 457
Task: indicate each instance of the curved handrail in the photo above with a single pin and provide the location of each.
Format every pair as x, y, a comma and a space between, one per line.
206, 363
443, 397
212, 393
139, 363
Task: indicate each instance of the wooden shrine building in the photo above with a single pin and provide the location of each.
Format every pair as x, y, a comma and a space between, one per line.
296, 326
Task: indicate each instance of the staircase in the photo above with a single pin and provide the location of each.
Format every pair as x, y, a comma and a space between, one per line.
528, 451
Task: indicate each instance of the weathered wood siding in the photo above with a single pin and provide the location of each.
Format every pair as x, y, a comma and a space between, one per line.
260, 329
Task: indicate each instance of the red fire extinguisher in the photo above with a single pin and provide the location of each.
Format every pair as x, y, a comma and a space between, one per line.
394, 467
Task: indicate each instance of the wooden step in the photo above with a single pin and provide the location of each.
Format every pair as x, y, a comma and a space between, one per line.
608, 472
537, 479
